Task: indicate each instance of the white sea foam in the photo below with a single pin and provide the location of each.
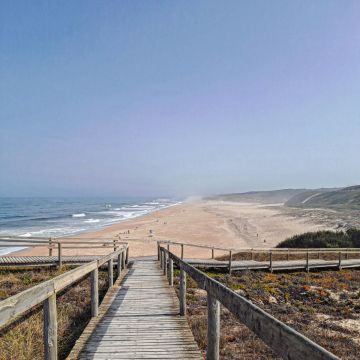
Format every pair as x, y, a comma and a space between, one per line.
28, 234
78, 215
91, 221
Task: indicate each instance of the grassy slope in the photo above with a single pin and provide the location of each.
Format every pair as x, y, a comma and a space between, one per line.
322, 305
267, 197
23, 339
340, 198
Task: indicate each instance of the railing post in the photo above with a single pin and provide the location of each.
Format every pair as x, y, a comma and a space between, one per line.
50, 328
158, 251
307, 261
288, 255
59, 255
182, 294
110, 273
161, 258
123, 260
114, 242
95, 292
212, 253
119, 265
346, 254
165, 263
171, 272
230, 260
182, 251
127, 256
339, 260
50, 246
213, 328
271, 267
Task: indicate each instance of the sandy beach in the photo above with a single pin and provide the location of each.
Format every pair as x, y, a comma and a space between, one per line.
214, 223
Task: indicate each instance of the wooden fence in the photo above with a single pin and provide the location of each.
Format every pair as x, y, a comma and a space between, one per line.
284, 340
14, 306
341, 253
60, 244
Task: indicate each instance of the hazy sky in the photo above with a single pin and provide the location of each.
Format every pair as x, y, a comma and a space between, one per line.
178, 97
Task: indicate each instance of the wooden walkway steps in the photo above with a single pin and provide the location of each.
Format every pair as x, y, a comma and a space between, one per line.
143, 321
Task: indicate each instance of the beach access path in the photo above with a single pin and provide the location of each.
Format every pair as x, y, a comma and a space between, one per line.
143, 321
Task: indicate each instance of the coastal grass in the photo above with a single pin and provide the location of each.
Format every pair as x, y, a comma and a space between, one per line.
23, 339
324, 306
324, 239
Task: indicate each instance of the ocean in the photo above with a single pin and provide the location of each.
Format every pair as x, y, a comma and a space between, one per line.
54, 217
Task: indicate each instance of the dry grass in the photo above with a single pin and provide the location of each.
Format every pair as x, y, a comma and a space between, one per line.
325, 306
23, 339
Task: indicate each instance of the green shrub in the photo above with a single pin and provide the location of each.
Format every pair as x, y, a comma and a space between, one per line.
324, 239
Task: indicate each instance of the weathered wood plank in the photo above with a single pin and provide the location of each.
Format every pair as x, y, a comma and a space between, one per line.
143, 321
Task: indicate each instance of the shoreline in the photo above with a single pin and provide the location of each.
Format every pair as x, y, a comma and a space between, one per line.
204, 222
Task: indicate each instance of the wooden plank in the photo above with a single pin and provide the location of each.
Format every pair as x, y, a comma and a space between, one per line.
143, 321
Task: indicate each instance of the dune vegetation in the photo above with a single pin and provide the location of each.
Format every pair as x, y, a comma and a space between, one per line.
324, 239
23, 339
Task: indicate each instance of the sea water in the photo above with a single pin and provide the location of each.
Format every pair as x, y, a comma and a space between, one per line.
47, 217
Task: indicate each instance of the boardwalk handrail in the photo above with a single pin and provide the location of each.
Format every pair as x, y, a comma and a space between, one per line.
14, 306
257, 249
268, 251
284, 340
51, 243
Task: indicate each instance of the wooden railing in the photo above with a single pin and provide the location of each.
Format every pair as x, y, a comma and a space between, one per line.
342, 253
60, 244
285, 341
14, 306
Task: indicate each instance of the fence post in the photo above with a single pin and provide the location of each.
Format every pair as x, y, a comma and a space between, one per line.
230, 260
271, 267
288, 255
213, 328
346, 254
59, 255
212, 253
50, 246
50, 328
110, 273
252, 254
165, 263
95, 292
182, 292
119, 265
182, 251
158, 251
123, 260
339, 260
307, 261
171, 272
114, 242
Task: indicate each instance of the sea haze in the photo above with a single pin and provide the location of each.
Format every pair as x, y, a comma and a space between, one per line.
27, 217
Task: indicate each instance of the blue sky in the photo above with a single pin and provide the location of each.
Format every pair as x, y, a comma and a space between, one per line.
178, 97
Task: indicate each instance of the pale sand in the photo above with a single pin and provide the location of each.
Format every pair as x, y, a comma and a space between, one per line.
213, 223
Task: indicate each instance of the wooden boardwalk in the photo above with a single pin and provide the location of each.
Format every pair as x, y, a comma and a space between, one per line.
143, 322
46, 260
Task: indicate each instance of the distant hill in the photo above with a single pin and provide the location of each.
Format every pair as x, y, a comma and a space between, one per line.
264, 197
348, 197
